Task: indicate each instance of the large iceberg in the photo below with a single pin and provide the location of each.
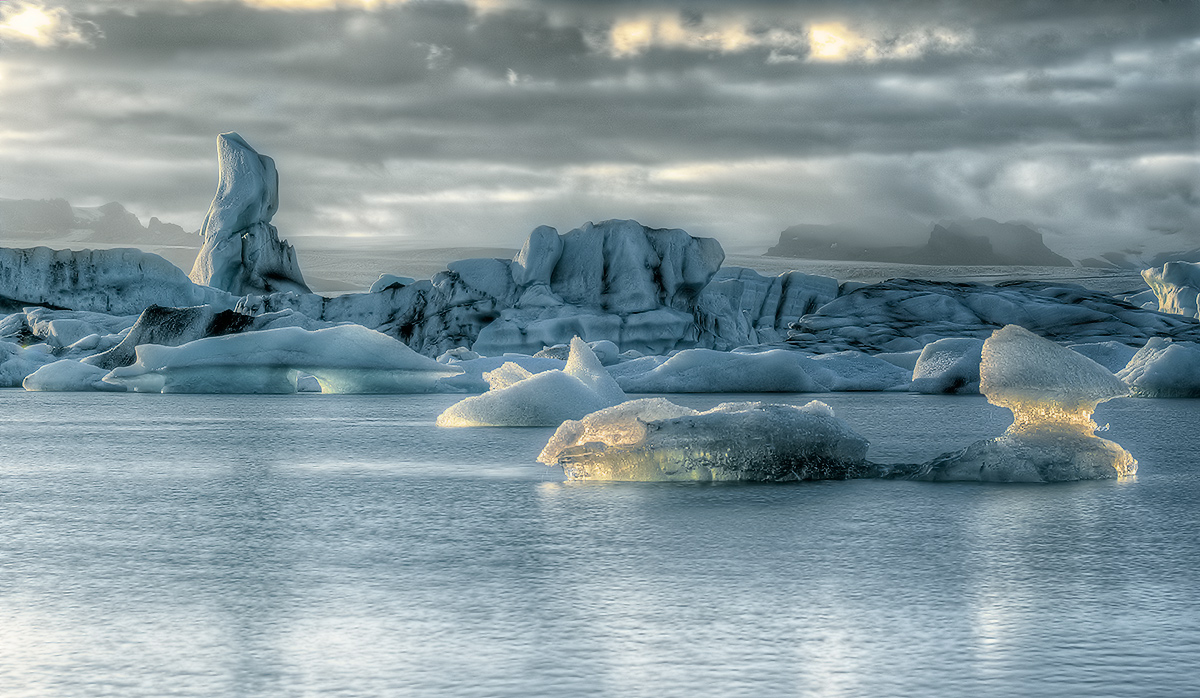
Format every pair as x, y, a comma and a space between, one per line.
655, 440
1052, 392
1177, 287
1164, 369
242, 252
117, 281
711, 371
518, 398
17, 362
949, 365
343, 359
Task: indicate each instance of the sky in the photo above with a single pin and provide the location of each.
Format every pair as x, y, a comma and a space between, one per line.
470, 122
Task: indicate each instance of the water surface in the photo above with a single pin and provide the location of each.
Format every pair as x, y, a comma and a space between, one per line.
305, 545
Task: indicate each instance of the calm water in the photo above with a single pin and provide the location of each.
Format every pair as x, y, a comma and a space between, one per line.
173, 545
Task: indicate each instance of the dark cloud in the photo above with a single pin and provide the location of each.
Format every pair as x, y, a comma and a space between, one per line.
443, 121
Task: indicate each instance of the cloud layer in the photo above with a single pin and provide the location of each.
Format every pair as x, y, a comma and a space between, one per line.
443, 123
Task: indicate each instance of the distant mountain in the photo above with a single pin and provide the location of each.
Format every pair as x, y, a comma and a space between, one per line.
981, 241
58, 223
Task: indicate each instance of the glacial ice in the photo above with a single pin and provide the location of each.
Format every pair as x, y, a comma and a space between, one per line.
654, 440
68, 375
518, 398
1164, 369
472, 380
948, 365
1177, 287
242, 252
711, 371
344, 359
115, 282
391, 280
1052, 392
17, 362
1112, 355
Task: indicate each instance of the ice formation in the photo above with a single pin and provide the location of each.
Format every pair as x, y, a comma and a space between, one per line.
1052, 392
472, 380
17, 362
242, 252
710, 371
518, 398
69, 376
116, 282
905, 314
655, 440
172, 327
948, 365
1164, 369
344, 359
1111, 354
1177, 287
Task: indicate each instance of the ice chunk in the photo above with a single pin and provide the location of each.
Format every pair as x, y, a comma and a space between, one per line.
1111, 355
520, 399
854, 370
1051, 391
1164, 369
344, 359
1177, 287
242, 252
16, 363
585, 366
508, 374
472, 380
645, 440
948, 365
710, 371
68, 376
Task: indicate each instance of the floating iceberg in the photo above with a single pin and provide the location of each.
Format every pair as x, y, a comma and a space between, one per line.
1177, 287
17, 362
1111, 355
1052, 392
1164, 369
655, 440
69, 376
518, 398
242, 252
711, 371
343, 359
948, 365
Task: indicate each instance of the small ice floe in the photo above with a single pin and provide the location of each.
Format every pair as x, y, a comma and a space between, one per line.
1052, 392
654, 439
520, 398
343, 359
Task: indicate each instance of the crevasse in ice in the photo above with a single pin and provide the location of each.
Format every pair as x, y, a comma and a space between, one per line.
1052, 392
655, 440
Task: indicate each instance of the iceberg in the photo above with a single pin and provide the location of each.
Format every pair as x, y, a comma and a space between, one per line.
17, 362
948, 365
654, 440
343, 359
68, 375
472, 379
1052, 392
242, 252
1177, 287
117, 282
1164, 369
519, 398
711, 371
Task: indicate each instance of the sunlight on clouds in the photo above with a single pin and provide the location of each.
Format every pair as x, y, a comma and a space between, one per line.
634, 35
480, 6
41, 26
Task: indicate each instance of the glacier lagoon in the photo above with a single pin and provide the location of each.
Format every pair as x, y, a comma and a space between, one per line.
200, 545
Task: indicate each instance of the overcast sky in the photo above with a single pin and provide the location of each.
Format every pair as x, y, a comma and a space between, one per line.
443, 122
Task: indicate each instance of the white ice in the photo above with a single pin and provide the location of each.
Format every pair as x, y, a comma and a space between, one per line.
17, 362
948, 365
344, 359
1052, 392
1164, 369
711, 371
68, 375
1177, 287
518, 398
655, 440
